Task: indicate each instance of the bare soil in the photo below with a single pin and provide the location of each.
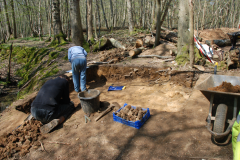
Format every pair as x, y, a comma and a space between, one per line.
215, 34
18, 142
176, 128
226, 87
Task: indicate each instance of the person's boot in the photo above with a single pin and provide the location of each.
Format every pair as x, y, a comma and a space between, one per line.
49, 126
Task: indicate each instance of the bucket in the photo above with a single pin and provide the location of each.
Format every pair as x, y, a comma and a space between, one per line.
89, 100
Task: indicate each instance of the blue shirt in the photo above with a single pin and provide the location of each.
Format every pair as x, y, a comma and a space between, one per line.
76, 52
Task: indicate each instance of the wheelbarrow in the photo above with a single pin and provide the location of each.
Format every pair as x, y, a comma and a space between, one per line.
222, 101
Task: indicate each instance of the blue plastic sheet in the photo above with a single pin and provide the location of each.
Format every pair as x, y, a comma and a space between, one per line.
116, 88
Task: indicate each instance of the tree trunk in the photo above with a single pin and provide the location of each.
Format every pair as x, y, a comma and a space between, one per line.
9, 64
9, 32
59, 37
191, 38
104, 15
68, 21
203, 18
95, 23
99, 18
14, 20
76, 24
183, 25
153, 16
143, 13
86, 18
89, 19
39, 22
233, 14
124, 13
49, 19
111, 7
165, 12
158, 23
130, 19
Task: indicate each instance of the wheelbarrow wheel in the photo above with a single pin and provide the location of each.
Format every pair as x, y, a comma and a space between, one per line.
220, 119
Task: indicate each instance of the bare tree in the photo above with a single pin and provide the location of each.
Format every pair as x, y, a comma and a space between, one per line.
14, 20
158, 23
153, 15
76, 24
130, 19
57, 25
104, 15
68, 20
89, 19
165, 11
160, 18
9, 32
124, 13
183, 25
99, 18
112, 16
39, 22
203, 18
191, 38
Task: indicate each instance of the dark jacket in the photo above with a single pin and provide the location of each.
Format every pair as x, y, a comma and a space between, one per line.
52, 93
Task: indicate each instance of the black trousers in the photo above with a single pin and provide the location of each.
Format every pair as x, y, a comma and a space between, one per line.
46, 116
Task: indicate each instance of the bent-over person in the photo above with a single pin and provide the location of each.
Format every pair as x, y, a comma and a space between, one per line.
52, 104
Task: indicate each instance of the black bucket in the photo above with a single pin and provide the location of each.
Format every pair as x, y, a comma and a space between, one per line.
89, 100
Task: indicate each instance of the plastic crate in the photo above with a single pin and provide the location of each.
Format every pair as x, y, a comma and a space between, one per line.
137, 124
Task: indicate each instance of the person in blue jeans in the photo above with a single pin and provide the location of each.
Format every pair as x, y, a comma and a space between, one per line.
77, 57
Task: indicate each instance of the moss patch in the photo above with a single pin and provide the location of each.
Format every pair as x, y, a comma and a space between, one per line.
58, 39
36, 65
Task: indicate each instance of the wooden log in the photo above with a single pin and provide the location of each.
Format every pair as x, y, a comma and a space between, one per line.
219, 42
170, 37
139, 43
152, 56
102, 44
9, 64
57, 142
135, 51
116, 43
125, 54
199, 67
149, 41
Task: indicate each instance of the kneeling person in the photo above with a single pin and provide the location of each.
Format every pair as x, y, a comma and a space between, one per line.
52, 104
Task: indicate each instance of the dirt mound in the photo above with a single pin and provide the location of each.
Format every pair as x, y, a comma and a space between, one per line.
161, 50
226, 87
17, 143
214, 34
114, 55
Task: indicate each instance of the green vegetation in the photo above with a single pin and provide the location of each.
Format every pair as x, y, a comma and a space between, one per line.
37, 65
3, 83
96, 47
59, 39
183, 58
65, 57
140, 30
222, 65
30, 38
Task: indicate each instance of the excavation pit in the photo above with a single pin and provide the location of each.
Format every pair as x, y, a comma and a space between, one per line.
178, 114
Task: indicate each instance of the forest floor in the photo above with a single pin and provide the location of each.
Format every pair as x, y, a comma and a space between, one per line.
175, 130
